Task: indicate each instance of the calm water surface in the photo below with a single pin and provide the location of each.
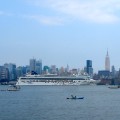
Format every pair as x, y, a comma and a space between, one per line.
50, 103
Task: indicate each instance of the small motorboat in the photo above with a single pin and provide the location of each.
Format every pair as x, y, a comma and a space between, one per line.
74, 97
13, 88
114, 87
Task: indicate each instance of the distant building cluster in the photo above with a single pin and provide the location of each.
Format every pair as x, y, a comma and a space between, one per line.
10, 72
108, 76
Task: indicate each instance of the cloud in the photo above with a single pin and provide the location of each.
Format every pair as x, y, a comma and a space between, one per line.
47, 20
99, 11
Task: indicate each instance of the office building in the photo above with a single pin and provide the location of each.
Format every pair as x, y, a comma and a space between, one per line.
46, 69
12, 70
38, 67
107, 62
53, 69
4, 74
89, 69
113, 71
32, 64
104, 73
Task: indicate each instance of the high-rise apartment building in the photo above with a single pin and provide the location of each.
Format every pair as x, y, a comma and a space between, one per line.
107, 62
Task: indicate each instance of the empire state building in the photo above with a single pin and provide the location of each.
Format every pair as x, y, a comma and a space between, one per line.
107, 62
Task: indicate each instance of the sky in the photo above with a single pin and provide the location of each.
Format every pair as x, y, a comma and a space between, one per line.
60, 32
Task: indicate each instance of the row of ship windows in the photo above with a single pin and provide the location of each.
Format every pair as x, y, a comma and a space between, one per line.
48, 81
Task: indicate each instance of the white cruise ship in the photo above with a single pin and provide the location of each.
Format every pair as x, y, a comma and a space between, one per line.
55, 80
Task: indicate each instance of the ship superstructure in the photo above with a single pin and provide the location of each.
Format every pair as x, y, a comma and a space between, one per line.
55, 80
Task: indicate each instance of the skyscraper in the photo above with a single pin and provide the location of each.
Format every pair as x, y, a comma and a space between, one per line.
32, 64
89, 68
107, 62
12, 70
38, 67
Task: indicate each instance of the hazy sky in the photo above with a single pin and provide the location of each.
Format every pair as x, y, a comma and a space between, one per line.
60, 32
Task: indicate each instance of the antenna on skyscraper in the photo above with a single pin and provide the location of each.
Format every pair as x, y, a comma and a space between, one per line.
107, 51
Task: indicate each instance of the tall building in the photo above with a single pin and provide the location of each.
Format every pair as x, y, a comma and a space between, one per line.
67, 68
38, 67
12, 70
4, 74
53, 69
89, 68
107, 62
46, 69
32, 64
19, 71
113, 71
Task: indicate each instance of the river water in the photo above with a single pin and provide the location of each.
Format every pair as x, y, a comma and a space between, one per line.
50, 103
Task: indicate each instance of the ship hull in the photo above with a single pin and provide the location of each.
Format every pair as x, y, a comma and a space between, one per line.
57, 83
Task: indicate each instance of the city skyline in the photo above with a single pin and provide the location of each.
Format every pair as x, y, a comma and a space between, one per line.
87, 67
60, 32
